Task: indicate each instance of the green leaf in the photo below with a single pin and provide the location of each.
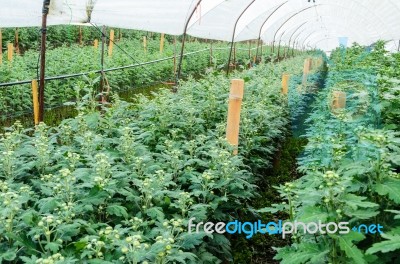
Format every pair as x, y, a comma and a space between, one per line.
391, 188
312, 214
53, 247
392, 244
9, 255
118, 210
346, 244
355, 201
47, 205
303, 253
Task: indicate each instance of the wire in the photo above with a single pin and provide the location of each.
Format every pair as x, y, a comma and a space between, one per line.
124, 51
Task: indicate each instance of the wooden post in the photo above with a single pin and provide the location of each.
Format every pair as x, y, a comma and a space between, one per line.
234, 108
145, 43
119, 35
80, 36
310, 61
96, 44
111, 45
162, 39
339, 100
285, 83
10, 51
1, 47
35, 100
16, 41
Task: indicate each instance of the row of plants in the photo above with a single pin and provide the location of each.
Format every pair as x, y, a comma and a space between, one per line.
61, 35
350, 165
119, 185
66, 60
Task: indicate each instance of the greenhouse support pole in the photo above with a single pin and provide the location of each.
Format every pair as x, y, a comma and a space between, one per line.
45, 12
233, 36
103, 47
279, 49
174, 57
398, 47
1, 47
178, 76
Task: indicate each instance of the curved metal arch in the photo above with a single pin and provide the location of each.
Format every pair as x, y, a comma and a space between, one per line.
293, 35
303, 31
345, 7
183, 41
324, 4
295, 14
262, 25
233, 34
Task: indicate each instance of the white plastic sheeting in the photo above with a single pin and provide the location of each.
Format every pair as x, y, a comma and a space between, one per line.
303, 23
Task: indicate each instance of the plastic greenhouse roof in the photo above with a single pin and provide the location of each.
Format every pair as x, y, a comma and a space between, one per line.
303, 23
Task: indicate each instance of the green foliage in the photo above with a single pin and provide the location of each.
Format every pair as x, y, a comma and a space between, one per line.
350, 165
118, 186
72, 59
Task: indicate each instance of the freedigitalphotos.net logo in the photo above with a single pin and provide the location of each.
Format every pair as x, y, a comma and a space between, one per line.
280, 228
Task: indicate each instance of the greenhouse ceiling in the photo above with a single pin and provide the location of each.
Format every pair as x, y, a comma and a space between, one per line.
305, 23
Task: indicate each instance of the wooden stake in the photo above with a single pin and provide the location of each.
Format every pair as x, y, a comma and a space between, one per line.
339, 100
96, 44
111, 45
10, 51
16, 41
35, 100
234, 108
145, 43
1, 47
162, 39
310, 61
285, 83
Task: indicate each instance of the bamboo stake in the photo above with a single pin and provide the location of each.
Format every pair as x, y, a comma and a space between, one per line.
285, 83
1, 47
35, 100
96, 44
10, 51
234, 108
162, 43
145, 43
111, 45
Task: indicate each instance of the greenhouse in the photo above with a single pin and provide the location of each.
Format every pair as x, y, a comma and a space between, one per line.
199, 131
